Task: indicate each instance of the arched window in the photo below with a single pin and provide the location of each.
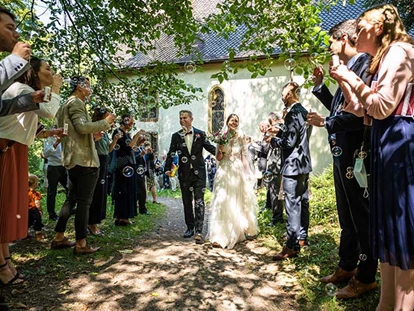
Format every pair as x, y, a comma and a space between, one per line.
216, 110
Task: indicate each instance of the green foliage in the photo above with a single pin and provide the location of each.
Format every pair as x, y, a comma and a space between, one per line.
323, 202
95, 38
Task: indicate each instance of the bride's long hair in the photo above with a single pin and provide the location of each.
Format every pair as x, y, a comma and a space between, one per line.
225, 127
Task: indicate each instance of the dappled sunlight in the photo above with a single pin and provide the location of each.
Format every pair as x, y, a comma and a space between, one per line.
169, 273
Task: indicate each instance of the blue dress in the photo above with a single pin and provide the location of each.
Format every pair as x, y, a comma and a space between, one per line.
392, 191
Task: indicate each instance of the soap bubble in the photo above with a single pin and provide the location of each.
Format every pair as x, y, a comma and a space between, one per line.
336, 151
190, 67
331, 289
140, 170
127, 171
267, 177
290, 63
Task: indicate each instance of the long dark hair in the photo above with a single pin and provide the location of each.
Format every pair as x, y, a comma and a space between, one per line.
30, 77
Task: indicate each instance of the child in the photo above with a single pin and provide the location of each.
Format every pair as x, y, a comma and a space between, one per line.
35, 210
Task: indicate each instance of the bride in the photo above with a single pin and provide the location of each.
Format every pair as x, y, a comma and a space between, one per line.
233, 205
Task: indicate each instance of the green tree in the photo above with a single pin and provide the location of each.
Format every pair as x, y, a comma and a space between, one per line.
95, 37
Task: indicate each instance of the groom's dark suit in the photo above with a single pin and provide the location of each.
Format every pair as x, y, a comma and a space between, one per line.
346, 131
296, 166
191, 174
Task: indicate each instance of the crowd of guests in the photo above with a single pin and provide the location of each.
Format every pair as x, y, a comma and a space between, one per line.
370, 122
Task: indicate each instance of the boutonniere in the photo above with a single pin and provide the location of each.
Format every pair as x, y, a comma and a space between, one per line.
197, 136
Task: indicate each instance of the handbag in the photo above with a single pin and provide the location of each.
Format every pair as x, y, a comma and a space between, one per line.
360, 172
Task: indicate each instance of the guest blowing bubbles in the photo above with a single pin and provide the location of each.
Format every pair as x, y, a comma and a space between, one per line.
81, 160
388, 101
13, 66
97, 211
18, 132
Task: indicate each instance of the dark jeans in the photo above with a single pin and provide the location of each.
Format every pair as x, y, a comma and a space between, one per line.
193, 188
35, 219
81, 188
55, 175
297, 209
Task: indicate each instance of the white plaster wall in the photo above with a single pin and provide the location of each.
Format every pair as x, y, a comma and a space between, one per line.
251, 99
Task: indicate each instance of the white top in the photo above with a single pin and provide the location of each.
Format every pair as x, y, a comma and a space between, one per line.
21, 127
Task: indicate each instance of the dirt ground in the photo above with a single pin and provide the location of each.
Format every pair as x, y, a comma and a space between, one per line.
168, 272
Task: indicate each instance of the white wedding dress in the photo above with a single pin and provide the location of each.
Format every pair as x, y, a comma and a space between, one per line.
233, 214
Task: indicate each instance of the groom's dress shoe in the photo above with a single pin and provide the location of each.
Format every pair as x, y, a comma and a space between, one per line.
189, 233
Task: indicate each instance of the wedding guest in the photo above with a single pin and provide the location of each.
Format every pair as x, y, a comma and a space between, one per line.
188, 144
389, 102
81, 160
345, 135
17, 133
35, 207
296, 166
141, 188
125, 187
56, 173
13, 66
273, 178
150, 168
233, 204
97, 211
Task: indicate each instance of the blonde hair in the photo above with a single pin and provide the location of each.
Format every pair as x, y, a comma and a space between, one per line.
392, 30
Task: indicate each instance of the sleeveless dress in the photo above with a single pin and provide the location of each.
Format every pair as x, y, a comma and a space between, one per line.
234, 206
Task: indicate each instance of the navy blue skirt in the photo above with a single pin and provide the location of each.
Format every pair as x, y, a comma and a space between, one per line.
392, 191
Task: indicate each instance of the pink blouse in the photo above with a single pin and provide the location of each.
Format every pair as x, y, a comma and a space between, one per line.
395, 71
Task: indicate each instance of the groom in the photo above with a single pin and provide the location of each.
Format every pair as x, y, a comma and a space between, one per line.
188, 144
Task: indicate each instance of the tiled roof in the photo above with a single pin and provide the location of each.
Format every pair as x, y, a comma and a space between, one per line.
215, 48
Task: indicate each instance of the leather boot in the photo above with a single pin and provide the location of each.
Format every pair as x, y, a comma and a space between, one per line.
354, 289
340, 275
285, 254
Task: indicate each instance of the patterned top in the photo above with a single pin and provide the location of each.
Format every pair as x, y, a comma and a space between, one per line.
33, 197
